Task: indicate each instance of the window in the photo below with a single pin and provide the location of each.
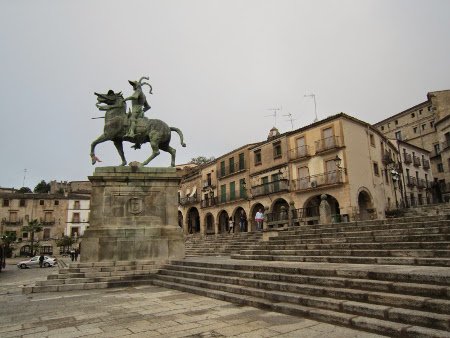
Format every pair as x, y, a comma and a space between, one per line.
25, 235
423, 126
382, 128
396, 122
222, 168
301, 147
420, 111
46, 234
398, 135
56, 202
76, 217
41, 202
440, 167
431, 124
413, 115
429, 108
277, 149
376, 170
241, 161
303, 178
22, 203
13, 216
208, 179
257, 157
437, 148
5, 202
265, 182
415, 130
232, 191
223, 193
231, 162
372, 140
386, 176
76, 205
242, 190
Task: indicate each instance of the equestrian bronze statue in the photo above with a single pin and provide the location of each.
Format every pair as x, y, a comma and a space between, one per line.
133, 127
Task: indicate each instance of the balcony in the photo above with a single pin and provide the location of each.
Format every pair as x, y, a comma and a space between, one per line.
270, 188
188, 200
425, 164
416, 161
411, 181
12, 222
229, 170
407, 158
445, 144
225, 198
207, 185
386, 159
48, 221
299, 152
320, 180
210, 202
327, 144
422, 184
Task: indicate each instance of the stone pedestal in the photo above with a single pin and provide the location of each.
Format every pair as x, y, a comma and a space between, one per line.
134, 216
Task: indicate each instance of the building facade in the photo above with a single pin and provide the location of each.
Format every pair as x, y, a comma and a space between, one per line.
426, 126
340, 157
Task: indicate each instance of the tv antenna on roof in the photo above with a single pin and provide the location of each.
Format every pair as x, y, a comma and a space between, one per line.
290, 119
24, 176
275, 110
315, 105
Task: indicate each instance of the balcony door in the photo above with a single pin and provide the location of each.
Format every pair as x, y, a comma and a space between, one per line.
303, 178
331, 172
301, 147
328, 138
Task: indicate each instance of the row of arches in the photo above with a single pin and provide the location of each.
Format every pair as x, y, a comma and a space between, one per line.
192, 222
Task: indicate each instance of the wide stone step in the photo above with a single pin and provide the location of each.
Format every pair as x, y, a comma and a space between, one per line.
358, 253
336, 294
349, 259
414, 289
368, 245
86, 286
322, 303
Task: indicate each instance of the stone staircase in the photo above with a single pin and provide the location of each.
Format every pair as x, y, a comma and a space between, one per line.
397, 301
220, 245
99, 275
419, 240
428, 210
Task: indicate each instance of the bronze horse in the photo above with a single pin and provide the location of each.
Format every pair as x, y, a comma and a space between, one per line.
156, 132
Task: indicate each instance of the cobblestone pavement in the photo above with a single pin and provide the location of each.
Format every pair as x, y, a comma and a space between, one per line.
145, 311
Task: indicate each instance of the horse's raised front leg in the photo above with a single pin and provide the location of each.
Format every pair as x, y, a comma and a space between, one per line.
102, 138
119, 147
155, 147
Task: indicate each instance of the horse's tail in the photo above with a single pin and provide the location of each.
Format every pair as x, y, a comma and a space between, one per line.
178, 131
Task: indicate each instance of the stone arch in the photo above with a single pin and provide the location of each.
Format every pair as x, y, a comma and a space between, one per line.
193, 220
222, 220
365, 204
311, 207
251, 220
237, 219
209, 223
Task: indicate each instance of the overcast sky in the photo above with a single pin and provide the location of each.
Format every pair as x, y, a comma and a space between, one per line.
216, 67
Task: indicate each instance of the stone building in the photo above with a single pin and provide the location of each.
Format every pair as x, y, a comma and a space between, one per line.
78, 211
426, 125
51, 210
285, 175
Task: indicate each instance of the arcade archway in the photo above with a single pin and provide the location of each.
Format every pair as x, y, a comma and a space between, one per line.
223, 221
365, 205
209, 221
193, 220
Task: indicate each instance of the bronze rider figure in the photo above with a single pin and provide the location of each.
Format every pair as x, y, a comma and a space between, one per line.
139, 104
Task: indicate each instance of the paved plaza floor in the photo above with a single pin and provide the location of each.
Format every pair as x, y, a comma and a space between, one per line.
143, 311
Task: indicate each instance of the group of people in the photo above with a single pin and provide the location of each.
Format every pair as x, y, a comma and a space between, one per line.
259, 218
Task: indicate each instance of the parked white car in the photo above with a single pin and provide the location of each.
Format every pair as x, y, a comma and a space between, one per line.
33, 262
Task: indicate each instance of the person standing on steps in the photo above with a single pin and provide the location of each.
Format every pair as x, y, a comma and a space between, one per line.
230, 225
242, 221
41, 260
259, 218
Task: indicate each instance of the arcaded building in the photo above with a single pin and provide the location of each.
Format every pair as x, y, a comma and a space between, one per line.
345, 159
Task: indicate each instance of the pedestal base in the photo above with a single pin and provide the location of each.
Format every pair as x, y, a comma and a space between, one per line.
133, 216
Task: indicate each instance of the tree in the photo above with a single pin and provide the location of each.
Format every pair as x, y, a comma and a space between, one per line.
202, 160
6, 241
65, 242
32, 227
42, 187
24, 190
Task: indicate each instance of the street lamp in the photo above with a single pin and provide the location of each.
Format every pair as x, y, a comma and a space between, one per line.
337, 161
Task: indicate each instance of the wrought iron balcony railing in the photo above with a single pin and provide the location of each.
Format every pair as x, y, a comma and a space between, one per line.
416, 161
319, 180
225, 198
13, 222
421, 183
270, 187
299, 152
425, 164
411, 181
48, 221
210, 202
188, 200
407, 158
327, 144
